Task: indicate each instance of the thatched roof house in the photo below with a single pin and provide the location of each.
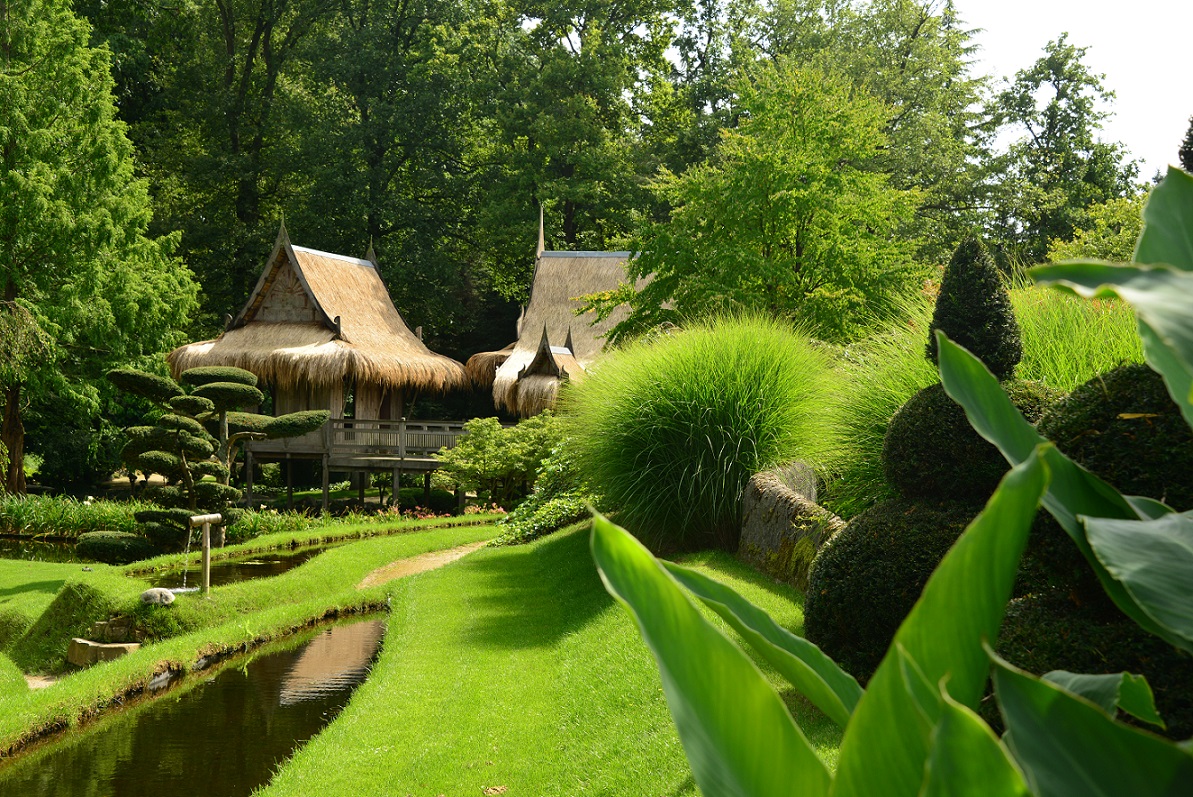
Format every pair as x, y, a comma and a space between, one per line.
554, 343
318, 324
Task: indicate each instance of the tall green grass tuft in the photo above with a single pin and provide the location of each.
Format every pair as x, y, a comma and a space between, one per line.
37, 515
670, 429
1067, 341
876, 376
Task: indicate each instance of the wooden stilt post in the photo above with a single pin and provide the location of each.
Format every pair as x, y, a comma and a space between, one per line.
206, 522
326, 481
289, 484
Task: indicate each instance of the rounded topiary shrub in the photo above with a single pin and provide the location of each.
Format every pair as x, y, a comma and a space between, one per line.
867, 577
1125, 427
114, 547
669, 430
930, 450
1050, 631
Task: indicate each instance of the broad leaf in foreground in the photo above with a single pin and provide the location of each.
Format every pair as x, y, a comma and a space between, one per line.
805, 666
737, 733
1110, 692
1072, 490
1165, 236
1153, 559
1068, 746
962, 605
967, 758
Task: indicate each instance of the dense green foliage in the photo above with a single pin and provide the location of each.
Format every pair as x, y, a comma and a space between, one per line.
929, 441
974, 310
1185, 154
79, 273
915, 730
867, 577
1124, 427
670, 429
787, 218
116, 547
561, 496
499, 462
1107, 231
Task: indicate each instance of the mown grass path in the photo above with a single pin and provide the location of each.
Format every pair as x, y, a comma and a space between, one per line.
514, 668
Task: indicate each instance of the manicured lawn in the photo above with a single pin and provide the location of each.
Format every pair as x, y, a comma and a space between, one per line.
514, 667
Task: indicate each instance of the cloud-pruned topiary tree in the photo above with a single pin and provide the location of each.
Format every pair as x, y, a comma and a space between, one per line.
193, 443
974, 310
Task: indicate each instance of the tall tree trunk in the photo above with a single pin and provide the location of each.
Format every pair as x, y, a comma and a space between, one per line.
12, 434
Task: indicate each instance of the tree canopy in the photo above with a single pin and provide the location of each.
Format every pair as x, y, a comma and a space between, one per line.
78, 271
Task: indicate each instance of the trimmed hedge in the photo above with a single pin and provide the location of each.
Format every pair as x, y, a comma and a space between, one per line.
866, 577
206, 374
930, 451
114, 547
1125, 427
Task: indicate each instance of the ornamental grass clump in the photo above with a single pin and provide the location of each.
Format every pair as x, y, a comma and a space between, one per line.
670, 429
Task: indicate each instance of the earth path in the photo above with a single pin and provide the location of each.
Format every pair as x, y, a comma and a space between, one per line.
417, 564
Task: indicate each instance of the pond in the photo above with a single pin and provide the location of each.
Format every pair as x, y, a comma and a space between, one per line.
268, 563
217, 735
26, 549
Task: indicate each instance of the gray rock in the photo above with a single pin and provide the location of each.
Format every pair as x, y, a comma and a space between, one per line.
782, 529
158, 596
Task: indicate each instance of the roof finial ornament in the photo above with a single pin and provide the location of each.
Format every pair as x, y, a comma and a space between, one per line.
542, 234
371, 255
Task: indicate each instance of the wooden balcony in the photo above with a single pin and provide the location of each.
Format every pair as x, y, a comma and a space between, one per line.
351, 444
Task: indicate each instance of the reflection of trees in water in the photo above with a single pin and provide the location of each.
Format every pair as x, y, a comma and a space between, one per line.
226, 736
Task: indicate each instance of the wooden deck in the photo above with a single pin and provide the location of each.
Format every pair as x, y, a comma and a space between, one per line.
401, 447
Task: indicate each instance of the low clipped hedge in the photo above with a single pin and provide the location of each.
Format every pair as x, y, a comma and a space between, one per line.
866, 577
1125, 427
114, 547
1050, 631
931, 452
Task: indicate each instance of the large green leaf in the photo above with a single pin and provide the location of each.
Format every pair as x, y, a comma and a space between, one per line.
1161, 297
815, 675
1110, 692
1153, 559
961, 606
967, 758
1066, 745
1167, 236
1072, 490
736, 731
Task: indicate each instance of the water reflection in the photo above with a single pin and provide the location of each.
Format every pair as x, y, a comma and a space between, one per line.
225, 736
273, 563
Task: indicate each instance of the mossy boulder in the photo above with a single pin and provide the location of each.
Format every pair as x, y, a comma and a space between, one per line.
114, 547
1125, 427
931, 452
867, 577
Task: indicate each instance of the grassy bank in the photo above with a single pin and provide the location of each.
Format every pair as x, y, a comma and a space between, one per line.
515, 668
235, 618
85, 597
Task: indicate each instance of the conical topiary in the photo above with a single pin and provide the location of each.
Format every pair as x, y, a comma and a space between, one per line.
974, 310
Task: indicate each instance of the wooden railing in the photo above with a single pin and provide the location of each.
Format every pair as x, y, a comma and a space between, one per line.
354, 437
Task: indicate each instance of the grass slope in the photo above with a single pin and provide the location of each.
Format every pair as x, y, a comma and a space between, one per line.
236, 617
515, 668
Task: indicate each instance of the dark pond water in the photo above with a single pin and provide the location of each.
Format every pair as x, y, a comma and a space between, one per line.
225, 735
272, 563
37, 551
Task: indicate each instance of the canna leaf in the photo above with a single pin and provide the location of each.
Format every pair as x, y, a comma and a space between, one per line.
738, 735
805, 666
1110, 692
967, 758
961, 606
1066, 745
1165, 235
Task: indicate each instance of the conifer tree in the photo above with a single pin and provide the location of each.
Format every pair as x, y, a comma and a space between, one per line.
1186, 151
974, 310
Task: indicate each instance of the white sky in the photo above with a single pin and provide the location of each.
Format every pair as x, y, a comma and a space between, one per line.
1143, 47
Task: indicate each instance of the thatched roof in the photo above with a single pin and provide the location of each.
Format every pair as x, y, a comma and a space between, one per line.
316, 318
553, 342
